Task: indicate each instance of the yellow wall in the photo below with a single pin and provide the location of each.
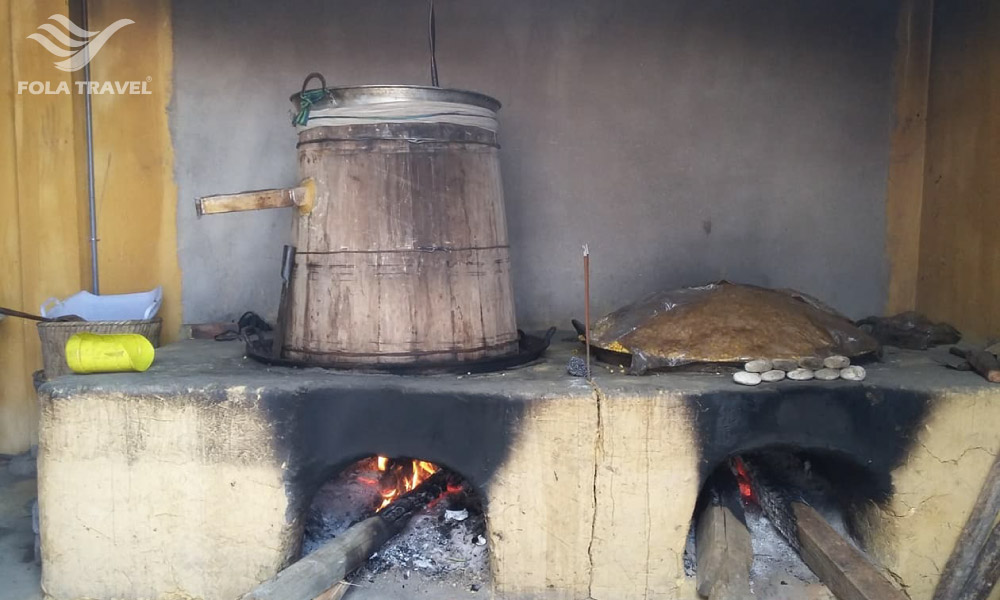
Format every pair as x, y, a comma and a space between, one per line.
944, 186
960, 248
42, 239
911, 70
15, 425
134, 159
43, 213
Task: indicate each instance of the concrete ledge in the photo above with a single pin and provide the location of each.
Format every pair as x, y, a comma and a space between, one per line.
189, 481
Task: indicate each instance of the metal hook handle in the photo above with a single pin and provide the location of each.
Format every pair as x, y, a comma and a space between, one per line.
310, 77
309, 97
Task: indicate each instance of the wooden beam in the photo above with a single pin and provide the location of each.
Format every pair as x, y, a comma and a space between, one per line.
842, 567
907, 150
303, 196
970, 541
986, 571
724, 554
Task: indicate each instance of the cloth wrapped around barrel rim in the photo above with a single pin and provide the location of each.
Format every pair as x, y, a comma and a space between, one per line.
401, 111
727, 323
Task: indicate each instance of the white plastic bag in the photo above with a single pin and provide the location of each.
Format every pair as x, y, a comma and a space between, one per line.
141, 306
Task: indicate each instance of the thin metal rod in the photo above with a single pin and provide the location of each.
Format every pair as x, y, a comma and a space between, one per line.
586, 303
432, 42
95, 278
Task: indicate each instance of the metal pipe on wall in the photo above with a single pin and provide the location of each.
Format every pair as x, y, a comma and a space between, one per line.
95, 279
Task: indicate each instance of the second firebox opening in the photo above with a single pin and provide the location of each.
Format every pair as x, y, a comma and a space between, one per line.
757, 513
443, 546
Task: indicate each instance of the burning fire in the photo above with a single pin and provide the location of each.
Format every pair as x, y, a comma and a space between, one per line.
398, 477
743, 480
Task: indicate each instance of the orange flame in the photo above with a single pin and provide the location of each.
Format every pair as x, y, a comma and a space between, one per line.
743, 480
399, 478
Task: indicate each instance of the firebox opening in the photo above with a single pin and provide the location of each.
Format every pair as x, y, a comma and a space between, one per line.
442, 545
747, 533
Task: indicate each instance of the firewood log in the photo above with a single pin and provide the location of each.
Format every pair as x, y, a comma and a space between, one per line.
970, 542
982, 362
724, 555
316, 573
984, 575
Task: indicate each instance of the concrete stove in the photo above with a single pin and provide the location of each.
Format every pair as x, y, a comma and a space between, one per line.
191, 480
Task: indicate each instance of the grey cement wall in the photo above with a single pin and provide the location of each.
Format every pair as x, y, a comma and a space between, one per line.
684, 140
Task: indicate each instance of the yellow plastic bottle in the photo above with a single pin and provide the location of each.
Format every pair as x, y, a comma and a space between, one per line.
115, 353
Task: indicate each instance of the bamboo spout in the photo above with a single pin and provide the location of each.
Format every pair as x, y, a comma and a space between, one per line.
303, 196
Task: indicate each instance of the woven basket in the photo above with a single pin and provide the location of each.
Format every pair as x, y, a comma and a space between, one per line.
54, 335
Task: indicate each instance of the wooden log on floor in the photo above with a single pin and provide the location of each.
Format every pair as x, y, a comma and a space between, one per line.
986, 571
970, 541
724, 554
844, 569
316, 573
312, 575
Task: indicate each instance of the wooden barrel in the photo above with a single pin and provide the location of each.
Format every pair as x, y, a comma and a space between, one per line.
404, 257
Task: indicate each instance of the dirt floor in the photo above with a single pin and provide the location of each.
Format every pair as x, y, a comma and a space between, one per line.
394, 586
19, 573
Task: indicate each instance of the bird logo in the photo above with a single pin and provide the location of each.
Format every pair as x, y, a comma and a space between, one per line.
75, 45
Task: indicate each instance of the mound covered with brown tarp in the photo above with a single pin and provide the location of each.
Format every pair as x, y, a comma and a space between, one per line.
727, 323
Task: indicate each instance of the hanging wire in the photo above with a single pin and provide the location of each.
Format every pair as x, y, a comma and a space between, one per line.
432, 41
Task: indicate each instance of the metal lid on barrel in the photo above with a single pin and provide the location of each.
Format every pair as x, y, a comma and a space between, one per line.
371, 104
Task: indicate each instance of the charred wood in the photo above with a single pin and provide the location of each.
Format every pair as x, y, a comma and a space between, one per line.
723, 552
780, 483
982, 362
724, 555
770, 493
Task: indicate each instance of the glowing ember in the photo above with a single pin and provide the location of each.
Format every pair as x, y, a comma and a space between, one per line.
399, 477
743, 480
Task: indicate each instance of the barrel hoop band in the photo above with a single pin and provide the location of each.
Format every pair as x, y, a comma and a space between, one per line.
499, 346
451, 143
410, 250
